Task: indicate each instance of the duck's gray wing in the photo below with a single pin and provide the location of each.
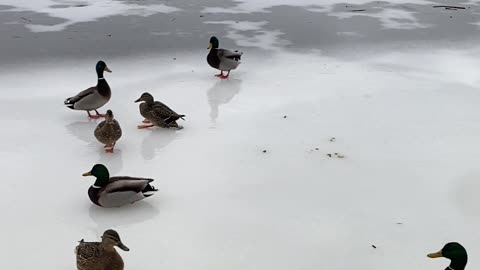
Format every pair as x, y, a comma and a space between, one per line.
124, 190
229, 60
70, 102
127, 183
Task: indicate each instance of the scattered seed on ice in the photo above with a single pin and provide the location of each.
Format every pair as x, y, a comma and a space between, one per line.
374, 246
329, 155
264, 151
284, 116
332, 139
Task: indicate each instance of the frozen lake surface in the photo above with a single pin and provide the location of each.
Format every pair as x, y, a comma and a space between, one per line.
395, 84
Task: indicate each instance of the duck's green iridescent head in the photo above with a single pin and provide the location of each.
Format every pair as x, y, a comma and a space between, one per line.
100, 68
213, 43
455, 252
101, 173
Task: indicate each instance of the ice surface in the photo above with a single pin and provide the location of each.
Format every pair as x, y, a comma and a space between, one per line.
405, 116
407, 123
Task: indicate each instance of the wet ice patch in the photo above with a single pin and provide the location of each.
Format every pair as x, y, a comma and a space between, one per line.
390, 18
253, 34
249, 6
82, 11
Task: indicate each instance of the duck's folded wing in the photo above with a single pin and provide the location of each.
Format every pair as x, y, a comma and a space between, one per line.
126, 183
161, 111
79, 96
223, 53
86, 250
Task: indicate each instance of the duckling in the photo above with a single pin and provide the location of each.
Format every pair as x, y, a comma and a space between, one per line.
156, 113
101, 255
222, 59
119, 190
455, 252
108, 132
94, 97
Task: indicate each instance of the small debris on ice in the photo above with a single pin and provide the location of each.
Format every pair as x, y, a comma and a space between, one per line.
316, 148
329, 155
374, 246
264, 151
449, 7
332, 139
284, 116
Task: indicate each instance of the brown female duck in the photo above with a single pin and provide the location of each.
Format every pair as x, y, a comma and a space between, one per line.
108, 132
101, 255
156, 113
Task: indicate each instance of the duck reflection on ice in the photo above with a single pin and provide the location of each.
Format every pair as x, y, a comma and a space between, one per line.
158, 139
114, 162
221, 93
83, 130
121, 216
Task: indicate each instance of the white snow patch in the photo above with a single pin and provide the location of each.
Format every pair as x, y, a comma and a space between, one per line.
262, 38
389, 18
249, 6
82, 11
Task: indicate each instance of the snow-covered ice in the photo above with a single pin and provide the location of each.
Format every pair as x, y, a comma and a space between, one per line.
405, 116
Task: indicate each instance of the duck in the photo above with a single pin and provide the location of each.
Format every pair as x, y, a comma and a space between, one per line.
94, 97
157, 114
455, 252
222, 59
119, 190
108, 132
101, 255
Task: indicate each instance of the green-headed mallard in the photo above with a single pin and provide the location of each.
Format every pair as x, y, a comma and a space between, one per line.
222, 59
119, 190
100, 255
108, 132
456, 253
156, 113
94, 97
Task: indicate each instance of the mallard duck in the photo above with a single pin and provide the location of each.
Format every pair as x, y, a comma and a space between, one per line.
456, 253
222, 59
108, 132
100, 255
156, 113
119, 190
94, 97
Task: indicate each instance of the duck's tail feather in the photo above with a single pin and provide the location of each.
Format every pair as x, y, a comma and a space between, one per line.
149, 190
69, 103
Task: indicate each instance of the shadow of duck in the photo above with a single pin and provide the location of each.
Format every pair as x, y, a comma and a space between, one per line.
222, 92
157, 140
113, 161
105, 218
83, 130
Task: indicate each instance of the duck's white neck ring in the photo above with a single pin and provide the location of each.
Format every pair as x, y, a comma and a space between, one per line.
101, 79
100, 187
450, 268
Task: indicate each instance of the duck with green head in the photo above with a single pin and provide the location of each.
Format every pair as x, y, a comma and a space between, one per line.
222, 59
100, 255
455, 252
118, 190
94, 97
